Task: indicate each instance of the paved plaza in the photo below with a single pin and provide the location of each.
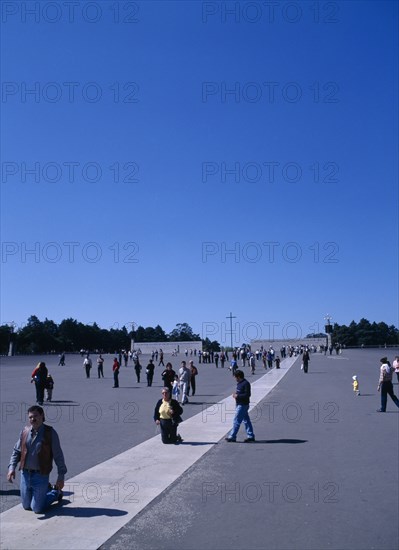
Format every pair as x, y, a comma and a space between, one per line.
323, 473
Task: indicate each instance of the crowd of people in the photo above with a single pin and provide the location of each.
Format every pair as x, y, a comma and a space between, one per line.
239, 357
38, 445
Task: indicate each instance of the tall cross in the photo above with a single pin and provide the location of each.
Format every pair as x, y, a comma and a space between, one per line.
231, 317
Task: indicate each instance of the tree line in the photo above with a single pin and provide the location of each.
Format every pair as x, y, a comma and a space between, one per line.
365, 333
71, 336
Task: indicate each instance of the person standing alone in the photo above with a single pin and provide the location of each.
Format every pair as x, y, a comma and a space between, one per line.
193, 373
100, 366
87, 364
305, 360
115, 370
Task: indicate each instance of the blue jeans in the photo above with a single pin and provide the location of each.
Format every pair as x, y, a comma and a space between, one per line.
241, 416
34, 491
183, 391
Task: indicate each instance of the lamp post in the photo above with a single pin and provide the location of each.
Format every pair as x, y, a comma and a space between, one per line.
132, 338
328, 329
12, 326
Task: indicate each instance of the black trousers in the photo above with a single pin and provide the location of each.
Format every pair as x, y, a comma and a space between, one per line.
168, 431
39, 393
387, 389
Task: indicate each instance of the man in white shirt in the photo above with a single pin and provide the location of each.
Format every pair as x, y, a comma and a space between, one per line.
184, 379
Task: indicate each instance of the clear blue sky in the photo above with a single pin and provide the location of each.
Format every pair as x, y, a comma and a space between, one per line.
169, 162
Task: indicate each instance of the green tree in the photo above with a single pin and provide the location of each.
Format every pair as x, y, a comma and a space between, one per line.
207, 345
71, 335
183, 333
32, 337
365, 333
6, 333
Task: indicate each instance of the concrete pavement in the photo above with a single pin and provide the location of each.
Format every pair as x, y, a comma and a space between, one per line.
323, 473
101, 500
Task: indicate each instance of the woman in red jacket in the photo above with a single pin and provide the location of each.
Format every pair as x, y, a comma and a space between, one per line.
115, 370
39, 377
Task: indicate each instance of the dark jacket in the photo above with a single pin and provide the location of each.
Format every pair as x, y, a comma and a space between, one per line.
177, 411
40, 376
243, 392
150, 368
168, 376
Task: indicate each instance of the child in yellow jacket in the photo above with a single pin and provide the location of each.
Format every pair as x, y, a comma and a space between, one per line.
355, 385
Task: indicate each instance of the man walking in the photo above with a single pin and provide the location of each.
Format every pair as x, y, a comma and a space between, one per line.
38, 445
242, 396
305, 360
385, 384
39, 377
193, 373
150, 372
184, 380
87, 364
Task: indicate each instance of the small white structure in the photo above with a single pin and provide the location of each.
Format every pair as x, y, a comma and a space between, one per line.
166, 347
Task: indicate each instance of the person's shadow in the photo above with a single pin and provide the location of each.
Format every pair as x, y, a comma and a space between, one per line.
285, 441
198, 443
10, 492
61, 509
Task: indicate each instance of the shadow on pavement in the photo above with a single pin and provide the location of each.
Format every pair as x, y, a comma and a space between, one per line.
289, 441
56, 402
80, 512
205, 395
197, 443
201, 403
10, 492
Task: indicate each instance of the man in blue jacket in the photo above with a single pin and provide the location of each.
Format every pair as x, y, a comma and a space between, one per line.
242, 396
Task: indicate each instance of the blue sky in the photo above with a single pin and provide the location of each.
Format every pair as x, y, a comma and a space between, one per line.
168, 162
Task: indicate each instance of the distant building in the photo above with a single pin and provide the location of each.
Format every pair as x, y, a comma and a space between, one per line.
167, 347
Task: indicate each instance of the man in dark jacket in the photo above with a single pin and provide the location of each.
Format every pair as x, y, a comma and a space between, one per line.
150, 372
242, 396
